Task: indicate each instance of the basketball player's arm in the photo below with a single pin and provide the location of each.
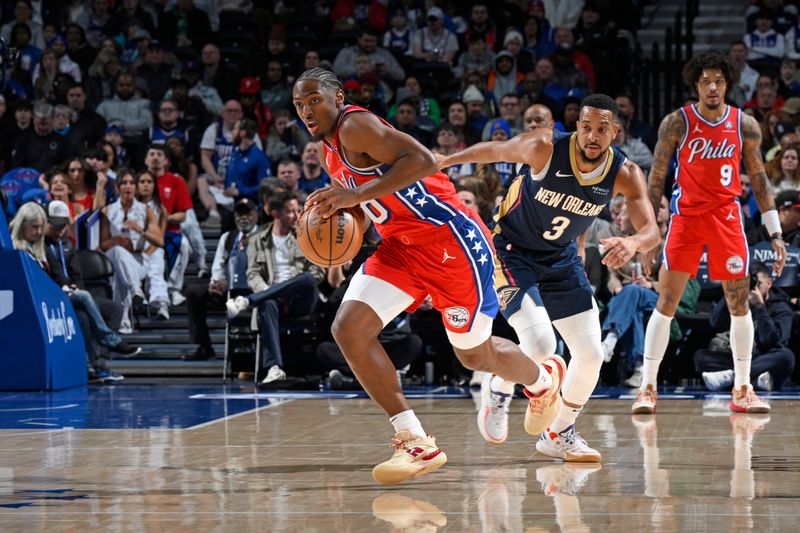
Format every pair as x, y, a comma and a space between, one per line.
530, 148
670, 134
630, 183
364, 133
751, 156
363, 222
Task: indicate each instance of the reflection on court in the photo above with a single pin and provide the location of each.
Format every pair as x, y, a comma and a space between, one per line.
305, 465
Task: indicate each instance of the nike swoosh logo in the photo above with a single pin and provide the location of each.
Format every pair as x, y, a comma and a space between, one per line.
560, 175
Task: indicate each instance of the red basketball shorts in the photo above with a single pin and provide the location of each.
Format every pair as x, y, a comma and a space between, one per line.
721, 230
453, 263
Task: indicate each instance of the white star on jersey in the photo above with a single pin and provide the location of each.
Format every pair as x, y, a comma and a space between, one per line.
478, 247
421, 202
471, 234
411, 192
483, 259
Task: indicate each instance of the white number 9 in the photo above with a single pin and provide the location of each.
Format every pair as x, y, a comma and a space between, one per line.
727, 175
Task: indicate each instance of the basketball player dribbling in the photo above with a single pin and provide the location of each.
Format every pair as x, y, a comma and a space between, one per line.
431, 245
711, 138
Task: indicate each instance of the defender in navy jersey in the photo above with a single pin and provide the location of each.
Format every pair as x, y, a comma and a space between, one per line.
565, 183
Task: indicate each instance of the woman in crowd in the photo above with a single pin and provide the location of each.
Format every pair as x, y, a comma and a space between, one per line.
28, 230
784, 170
45, 75
133, 238
85, 183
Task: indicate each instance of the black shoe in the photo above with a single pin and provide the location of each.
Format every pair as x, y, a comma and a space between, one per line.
201, 354
126, 349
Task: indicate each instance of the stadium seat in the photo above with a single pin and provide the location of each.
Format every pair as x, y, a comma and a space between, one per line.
97, 271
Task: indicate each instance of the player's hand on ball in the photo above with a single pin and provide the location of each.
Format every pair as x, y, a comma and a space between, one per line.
618, 251
331, 199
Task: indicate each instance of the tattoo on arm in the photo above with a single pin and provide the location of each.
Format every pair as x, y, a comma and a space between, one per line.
670, 133
751, 155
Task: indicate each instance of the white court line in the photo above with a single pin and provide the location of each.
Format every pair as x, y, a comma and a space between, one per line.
68, 406
231, 417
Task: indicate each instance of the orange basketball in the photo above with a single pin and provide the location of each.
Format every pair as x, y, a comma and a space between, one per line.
329, 242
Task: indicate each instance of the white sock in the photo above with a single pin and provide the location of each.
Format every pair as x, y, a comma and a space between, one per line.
501, 385
611, 340
407, 420
542, 384
565, 418
656, 338
742, 334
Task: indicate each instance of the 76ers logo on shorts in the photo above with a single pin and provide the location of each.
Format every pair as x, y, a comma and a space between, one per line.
458, 317
734, 264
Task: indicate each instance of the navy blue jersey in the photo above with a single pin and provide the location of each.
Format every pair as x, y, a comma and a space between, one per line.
548, 211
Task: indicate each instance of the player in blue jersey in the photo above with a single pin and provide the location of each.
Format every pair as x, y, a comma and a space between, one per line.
539, 276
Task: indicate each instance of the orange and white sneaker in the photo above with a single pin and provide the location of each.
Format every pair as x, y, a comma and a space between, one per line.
645, 403
412, 457
745, 400
542, 409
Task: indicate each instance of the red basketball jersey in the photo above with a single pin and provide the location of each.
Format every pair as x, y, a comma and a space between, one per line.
430, 202
707, 175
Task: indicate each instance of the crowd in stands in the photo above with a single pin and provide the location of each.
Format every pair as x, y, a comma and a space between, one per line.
175, 117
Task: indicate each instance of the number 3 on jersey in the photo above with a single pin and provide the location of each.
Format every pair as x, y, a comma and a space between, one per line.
560, 224
727, 175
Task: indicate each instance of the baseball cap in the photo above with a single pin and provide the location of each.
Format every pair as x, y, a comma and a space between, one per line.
114, 128
435, 12
155, 43
500, 124
513, 35
788, 198
245, 205
249, 85
57, 213
140, 34
352, 84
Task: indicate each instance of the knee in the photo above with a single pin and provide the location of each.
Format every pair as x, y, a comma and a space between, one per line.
587, 350
268, 307
667, 304
350, 328
474, 360
537, 343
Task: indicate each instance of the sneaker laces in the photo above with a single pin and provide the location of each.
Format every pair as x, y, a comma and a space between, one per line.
572, 437
499, 403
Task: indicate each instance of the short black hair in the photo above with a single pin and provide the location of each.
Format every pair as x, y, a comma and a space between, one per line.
601, 101
268, 188
324, 78
249, 127
757, 267
277, 202
161, 147
716, 60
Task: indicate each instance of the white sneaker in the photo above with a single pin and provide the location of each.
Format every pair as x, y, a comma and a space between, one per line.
493, 414
567, 445
719, 380
162, 310
608, 353
764, 381
176, 297
125, 327
236, 306
275, 374
635, 381
564, 478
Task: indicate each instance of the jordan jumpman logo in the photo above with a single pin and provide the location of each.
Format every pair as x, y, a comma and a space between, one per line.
447, 256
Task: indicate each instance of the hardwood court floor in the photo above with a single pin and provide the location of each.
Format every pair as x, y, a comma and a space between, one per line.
304, 465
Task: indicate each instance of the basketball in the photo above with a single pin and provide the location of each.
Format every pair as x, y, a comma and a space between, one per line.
330, 242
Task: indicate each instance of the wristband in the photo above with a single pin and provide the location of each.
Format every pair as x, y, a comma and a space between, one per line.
771, 222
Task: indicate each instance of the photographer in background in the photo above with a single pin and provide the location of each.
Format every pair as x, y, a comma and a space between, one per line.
773, 361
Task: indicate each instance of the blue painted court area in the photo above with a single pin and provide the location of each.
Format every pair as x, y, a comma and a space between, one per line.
186, 405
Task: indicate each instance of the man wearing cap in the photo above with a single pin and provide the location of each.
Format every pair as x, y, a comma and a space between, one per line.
283, 281
513, 43
228, 272
248, 165
155, 72
476, 120
788, 205
86, 126
367, 43
40, 147
126, 108
61, 267
184, 26
434, 42
250, 98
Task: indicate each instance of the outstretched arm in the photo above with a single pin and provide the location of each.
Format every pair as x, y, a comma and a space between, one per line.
670, 135
531, 148
619, 250
751, 155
